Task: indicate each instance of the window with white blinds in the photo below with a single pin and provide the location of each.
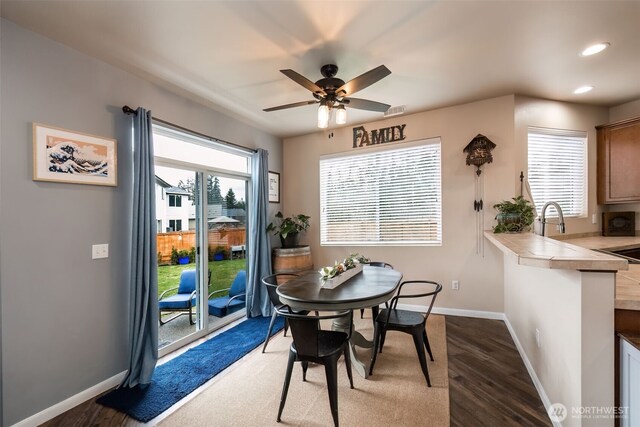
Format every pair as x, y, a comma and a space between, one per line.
385, 197
557, 169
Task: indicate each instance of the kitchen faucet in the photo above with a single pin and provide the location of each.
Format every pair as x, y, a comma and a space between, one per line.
543, 219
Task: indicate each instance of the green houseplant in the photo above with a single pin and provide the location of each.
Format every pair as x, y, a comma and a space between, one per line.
220, 253
183, 256
288, 228
514, 216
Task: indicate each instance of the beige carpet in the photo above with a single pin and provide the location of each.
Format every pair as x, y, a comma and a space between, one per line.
248, 394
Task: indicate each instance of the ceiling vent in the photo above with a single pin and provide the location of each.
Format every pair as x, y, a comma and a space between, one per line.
395, 111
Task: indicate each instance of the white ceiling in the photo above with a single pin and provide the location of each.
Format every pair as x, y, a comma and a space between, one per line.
228, 53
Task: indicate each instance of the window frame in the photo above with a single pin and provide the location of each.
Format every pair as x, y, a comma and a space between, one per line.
433, 148
560, 156
177, 224
175, 200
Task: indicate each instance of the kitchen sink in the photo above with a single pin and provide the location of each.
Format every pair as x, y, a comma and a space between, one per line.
620, 254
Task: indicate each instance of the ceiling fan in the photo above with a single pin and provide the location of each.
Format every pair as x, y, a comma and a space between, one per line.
333, 93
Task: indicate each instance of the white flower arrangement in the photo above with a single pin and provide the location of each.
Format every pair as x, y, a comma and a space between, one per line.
340, 267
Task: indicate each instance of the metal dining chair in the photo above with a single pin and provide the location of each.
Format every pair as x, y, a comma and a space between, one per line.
312, 344
374, 310
271, 282
410, 322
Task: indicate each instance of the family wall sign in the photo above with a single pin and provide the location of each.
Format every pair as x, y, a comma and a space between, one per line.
364, 138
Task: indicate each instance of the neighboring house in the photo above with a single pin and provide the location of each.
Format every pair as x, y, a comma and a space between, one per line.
236, 213
213, 211
172, 207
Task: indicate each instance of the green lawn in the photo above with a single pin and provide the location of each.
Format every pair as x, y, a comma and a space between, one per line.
222, 274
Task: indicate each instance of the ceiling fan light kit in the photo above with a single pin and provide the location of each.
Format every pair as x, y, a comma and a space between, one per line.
323, 116
332, 93
341, 115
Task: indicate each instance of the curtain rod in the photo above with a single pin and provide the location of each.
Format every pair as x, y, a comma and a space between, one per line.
128, 110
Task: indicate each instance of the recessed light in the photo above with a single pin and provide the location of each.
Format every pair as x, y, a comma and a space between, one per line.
595, 48
583, 89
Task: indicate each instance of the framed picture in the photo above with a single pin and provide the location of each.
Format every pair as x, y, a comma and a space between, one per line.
65, 156
274, 187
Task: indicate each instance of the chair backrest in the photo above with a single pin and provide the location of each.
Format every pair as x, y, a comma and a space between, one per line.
272, 281
426, 288
305, 329
187, 282
381, 264
239, 285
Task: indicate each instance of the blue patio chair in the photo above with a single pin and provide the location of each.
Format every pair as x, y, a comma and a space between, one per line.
224, 305
183, 301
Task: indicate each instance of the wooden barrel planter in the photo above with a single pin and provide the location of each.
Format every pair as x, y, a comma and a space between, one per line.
291, 260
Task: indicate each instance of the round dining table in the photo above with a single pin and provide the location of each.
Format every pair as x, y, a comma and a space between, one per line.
375, 285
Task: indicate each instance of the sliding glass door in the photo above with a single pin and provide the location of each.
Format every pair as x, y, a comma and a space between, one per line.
201, 216
227, 247
179, 231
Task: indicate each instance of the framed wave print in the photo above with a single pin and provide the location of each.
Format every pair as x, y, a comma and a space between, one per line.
61, 155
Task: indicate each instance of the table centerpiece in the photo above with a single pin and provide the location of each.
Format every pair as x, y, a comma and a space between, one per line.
340, 272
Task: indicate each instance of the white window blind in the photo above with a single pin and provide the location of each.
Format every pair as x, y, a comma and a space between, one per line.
557, 169
389, 197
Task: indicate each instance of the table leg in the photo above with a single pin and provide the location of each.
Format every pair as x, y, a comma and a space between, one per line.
357, 339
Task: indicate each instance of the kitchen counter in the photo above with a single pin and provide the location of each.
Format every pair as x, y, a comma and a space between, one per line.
543, 252
602, 242
627, 281
559, 305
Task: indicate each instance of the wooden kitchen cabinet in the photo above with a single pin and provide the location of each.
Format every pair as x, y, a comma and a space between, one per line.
618, 160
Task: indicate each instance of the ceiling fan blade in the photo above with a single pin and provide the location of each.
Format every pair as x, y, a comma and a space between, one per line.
295, 104
363, 80
303, 81
365, 104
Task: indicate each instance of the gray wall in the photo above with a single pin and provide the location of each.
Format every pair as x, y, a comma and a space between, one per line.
65, 316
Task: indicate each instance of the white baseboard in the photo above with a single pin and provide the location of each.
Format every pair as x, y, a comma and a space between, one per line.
494, 315
532, 373
67, 404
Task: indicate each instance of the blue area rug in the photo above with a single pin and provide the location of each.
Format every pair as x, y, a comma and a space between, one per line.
180, 376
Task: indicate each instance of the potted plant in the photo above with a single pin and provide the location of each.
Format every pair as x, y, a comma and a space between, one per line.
174, 256
288, 228
514, 216
220, 253
183, 256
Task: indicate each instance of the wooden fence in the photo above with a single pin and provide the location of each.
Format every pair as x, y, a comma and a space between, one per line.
187, 240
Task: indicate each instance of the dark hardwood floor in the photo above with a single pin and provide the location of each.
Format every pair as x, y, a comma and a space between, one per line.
488, 383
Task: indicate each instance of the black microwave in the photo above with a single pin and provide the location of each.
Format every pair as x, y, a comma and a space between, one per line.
618, 223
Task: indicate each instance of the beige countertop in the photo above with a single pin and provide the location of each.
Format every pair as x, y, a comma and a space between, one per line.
543, 252
576, 254
627, 281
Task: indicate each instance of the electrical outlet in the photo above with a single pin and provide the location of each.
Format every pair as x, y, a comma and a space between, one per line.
538, 337
455, 285
100, 251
